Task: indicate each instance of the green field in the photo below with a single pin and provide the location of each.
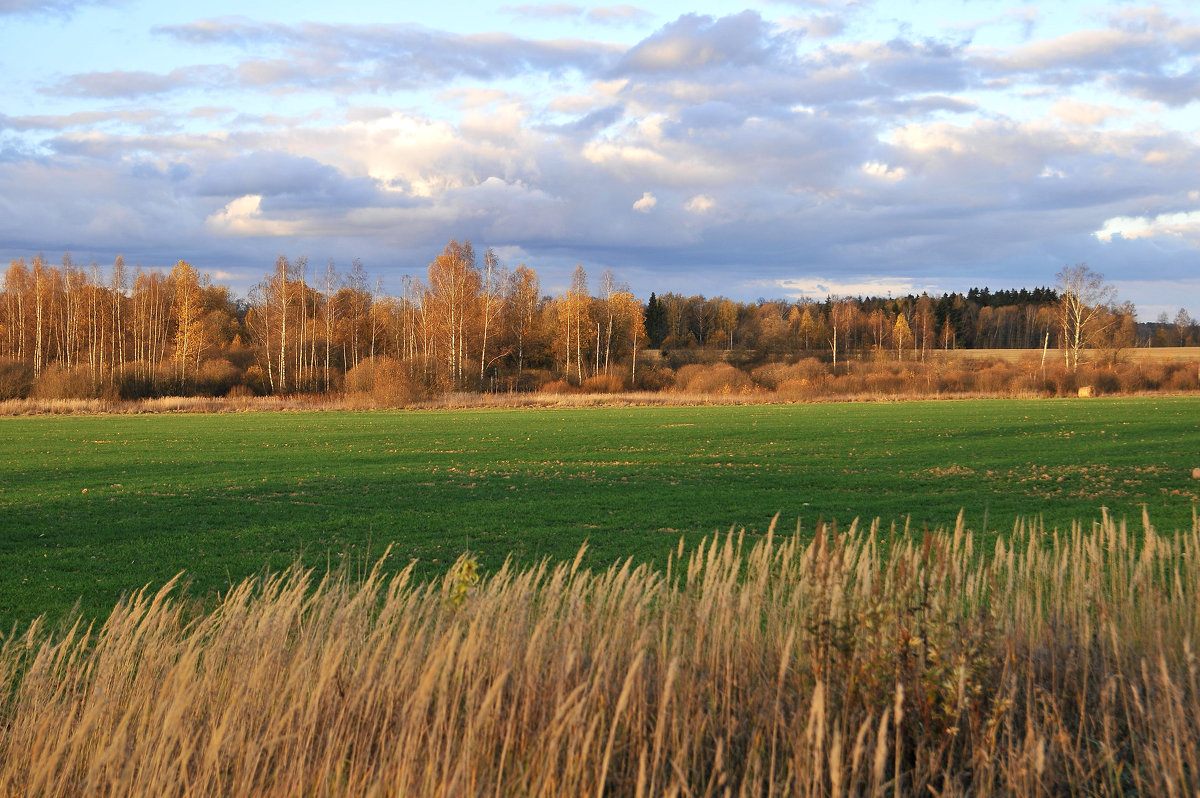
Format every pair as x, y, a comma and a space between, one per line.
91, 506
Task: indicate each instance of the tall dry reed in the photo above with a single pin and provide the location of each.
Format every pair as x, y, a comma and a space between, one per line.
863, 662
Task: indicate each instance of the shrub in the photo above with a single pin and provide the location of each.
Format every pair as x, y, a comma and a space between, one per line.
360, 378
1105, 381
953, 379
16, 379
603, 383
214, 378
559, 386
848, 384
528, 380
1146, 376
673, 343
1066, 382
744, 359
772, 375
884, 381
798, 390
1182, 377
676, 359
655, 378
393, 386
57, 382
139, 380
384, 381
996, 377
718, 378
256, 380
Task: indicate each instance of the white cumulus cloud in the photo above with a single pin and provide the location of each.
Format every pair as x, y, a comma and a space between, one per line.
819, 288
243, 217
1185, 224
881, 171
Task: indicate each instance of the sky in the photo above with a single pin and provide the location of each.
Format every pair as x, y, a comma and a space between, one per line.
748, 149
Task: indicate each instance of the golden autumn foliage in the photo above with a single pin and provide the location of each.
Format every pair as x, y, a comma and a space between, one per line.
477, 326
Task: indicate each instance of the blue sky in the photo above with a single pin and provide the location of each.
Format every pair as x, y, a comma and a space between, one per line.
748, 149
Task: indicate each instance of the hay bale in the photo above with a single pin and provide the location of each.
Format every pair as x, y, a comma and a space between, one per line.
1085, 392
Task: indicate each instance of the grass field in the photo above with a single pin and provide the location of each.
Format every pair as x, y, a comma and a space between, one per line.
92, 506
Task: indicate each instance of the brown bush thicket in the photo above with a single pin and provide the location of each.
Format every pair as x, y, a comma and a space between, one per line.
394, 385
866, 662
677, 358
531, 380
360, 378
1102, 380
1142, 377
655, 378
213, 378
382, 382
603, 383
1066, 382
16, 379
401, 383
772, 375
139, 380
715, 378
240, 392
996, 377
846, 383
953, 378
59, 382
800, 390
256, 380
559, 387
887, 379
1183, 377
979, 376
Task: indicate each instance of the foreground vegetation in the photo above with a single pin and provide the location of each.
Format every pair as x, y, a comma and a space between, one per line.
856, 663
93, 506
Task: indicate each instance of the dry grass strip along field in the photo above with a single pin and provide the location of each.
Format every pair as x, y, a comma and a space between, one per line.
1050, 664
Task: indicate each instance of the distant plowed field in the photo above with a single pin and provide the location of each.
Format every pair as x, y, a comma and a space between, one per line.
1158, 354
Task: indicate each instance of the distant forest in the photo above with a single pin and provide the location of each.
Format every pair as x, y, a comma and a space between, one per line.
473, 324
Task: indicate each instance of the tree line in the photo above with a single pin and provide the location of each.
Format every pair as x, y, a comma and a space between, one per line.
474, 324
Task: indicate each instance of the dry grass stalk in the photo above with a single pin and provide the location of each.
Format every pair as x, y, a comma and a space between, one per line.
862, 662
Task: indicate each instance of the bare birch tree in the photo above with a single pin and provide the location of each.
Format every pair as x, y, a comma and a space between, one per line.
841, 317
578, 300
493, 283
1084, 309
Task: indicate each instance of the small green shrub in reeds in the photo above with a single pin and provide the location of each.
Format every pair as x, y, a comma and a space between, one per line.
862, 662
